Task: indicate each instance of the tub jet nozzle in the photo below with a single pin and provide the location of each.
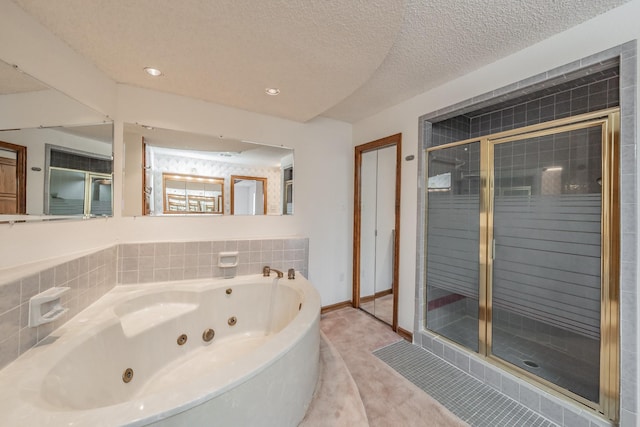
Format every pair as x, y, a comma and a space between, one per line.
208, 334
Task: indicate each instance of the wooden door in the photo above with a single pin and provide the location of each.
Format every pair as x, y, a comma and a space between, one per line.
13, 178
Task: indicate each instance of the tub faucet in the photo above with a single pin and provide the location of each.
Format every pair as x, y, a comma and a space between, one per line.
266, 271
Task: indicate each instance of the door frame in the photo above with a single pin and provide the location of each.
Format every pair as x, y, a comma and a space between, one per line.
21, 174
389, 141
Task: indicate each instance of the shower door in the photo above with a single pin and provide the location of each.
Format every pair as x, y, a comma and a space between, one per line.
550, 190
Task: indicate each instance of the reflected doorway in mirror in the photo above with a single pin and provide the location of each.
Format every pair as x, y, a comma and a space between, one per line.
248, 195
13, 177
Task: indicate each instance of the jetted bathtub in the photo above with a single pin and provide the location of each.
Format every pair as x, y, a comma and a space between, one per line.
214, 352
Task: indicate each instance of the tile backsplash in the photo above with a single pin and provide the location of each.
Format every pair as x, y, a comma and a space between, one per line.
88, 277
93, 275
163, 261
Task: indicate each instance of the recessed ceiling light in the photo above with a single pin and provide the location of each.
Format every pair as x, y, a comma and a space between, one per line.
272, 91
153, 71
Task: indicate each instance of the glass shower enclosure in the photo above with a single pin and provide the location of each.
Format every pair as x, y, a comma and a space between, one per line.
522, 252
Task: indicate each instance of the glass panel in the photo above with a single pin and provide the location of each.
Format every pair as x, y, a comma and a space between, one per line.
66, 192
377, 231
453, 231
546, 268
100, 196
368, 191
385, 233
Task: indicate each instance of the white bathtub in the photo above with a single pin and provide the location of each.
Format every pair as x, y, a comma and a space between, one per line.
245, 376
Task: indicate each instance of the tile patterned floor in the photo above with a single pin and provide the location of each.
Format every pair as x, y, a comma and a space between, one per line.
474, 402
556, 366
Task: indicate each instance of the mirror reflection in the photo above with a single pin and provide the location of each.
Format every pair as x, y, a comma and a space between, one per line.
192, 194
248, 195
378, 177
152, 154
52, 163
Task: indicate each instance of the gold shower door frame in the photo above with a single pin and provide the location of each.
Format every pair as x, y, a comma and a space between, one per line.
609, 121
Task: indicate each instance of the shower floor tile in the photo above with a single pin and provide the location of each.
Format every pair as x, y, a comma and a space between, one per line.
556, 366
474, 402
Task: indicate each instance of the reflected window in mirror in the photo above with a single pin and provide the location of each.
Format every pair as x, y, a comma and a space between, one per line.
152, 152
248, 195
192, 194
77, 182
287, 198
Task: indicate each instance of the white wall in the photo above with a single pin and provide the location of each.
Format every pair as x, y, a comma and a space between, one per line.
609, 30
132, 174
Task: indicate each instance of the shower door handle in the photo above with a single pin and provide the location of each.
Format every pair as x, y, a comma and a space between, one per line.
493, 249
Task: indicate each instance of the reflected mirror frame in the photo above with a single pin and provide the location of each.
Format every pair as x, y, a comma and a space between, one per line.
218, 202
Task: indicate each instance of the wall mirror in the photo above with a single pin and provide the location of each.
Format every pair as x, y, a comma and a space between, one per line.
151, 154
56, 154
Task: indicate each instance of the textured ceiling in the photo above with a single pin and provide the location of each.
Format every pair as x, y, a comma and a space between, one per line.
344, 59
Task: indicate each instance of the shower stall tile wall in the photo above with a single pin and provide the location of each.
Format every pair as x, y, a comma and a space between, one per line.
93, 275
594, 92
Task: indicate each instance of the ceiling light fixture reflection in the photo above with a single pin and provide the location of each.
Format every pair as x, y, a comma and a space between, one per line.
273, 91
553, 168
153, 71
